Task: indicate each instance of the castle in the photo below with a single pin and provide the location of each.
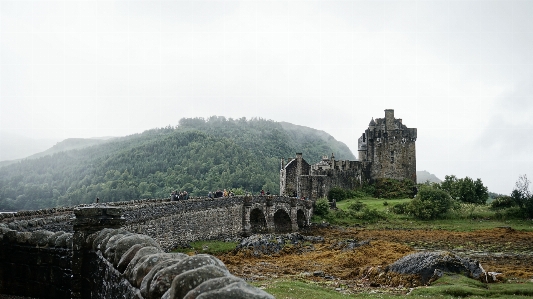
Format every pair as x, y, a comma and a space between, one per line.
386, 150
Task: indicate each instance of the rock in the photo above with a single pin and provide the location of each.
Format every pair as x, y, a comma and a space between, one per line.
271, 244
189, 280
139, 257
211, 285
147, 280
143, 268
40, 237
162, 281
125, 243
53, 238
64, 240
100, 236
428, 265
237, 290
127, 257
109, 249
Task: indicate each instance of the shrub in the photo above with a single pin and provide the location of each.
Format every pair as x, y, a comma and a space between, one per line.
465, 189
337, 193
391, 188
523, 196
400, 208
321, 207
372, 215
502, 202
430, 203
356, 206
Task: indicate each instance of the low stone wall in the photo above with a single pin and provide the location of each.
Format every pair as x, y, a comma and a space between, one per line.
181, 222
35, 264
121, 264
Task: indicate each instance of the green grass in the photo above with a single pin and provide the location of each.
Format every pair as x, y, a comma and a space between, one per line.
467, 217
209, 247
449, 286
458, 286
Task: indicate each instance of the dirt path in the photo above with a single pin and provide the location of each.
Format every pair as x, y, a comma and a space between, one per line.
502, 250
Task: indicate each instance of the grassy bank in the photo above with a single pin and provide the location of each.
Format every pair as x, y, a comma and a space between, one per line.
378, 214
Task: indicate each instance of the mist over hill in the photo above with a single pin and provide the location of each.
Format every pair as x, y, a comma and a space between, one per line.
424, 176
199, 155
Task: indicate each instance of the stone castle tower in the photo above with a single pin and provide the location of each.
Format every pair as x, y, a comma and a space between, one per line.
386, 150
390, 146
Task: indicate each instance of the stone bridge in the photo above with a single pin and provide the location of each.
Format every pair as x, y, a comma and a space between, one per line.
54, 253
275, 214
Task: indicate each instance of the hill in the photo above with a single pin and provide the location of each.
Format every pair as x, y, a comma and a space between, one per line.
199, 155
424, 176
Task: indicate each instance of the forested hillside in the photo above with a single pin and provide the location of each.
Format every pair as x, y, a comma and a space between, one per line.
199, 155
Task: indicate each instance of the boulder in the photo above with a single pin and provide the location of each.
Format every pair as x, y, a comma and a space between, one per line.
189, 280
430, 265
237, 290
211, 285
163, 279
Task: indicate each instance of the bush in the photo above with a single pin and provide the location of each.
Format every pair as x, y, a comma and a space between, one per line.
390, 188
400, 208
502, 202
337, 193
465, 189
523, 196
321, 207
371, 215
356, 206
430, 203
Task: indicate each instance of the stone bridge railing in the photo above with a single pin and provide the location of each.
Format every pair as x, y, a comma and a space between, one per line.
177, 223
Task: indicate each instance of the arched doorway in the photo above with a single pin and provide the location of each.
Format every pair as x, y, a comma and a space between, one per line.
282, 222
257, 222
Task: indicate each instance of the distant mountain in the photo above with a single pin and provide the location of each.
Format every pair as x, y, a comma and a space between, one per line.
200, 155
14, 147
70, 144
424, 176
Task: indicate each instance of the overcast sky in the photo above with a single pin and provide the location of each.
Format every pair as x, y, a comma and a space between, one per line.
459, 71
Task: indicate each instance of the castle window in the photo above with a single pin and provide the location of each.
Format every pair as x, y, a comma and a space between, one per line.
392, 157
364, 137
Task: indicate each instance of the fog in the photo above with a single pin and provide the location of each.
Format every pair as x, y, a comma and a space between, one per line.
459, 71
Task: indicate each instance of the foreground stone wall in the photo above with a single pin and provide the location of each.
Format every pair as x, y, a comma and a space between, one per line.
35, 264
121, 264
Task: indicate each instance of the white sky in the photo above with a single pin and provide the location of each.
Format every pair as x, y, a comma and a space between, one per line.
459, 71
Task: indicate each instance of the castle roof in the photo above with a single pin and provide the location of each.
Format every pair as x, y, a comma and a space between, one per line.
372, 122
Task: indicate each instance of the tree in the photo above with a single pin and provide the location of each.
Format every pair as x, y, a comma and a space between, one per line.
430, 203
522, 196
465, 189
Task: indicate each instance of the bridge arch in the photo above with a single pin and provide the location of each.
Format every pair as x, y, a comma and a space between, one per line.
282, 221
258, 222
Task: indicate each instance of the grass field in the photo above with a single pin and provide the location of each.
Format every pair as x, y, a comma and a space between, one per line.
453, 286
467, 217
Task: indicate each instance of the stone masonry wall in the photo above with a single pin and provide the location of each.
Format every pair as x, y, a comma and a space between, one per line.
182, 222
35, 264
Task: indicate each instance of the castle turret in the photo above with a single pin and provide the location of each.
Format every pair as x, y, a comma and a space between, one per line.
389, 119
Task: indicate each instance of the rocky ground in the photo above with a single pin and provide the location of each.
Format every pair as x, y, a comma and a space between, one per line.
354, 256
